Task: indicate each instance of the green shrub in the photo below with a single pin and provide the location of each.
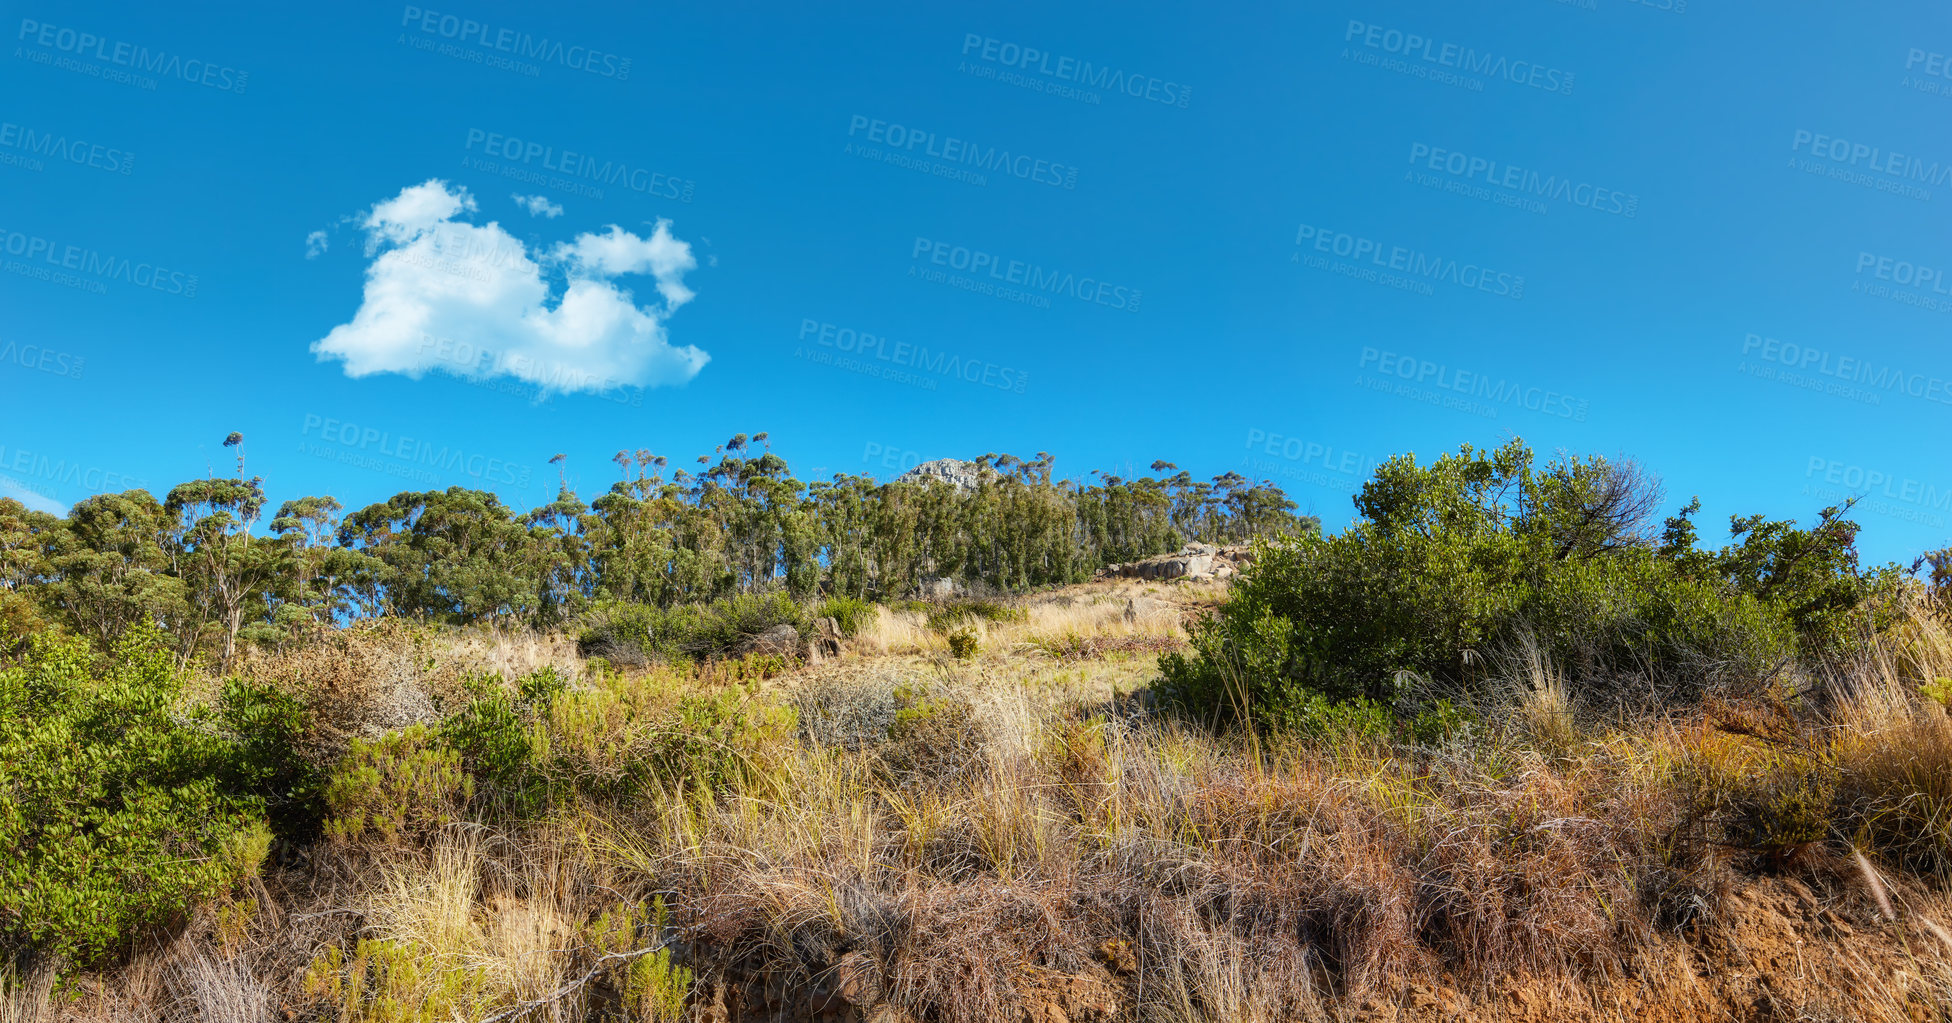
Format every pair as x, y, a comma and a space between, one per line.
1784, 814
654, 988
268, 728
1454, 564
492, 735
404, 784
115, 815
618, 630
721, 739
850, 612
963, 643
949, 614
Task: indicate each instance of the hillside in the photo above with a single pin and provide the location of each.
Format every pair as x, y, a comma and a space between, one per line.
901, 833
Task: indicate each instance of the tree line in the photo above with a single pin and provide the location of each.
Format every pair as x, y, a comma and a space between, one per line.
206, 565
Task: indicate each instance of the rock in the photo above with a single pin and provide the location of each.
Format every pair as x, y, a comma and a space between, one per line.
826, 642
936, 588
780, 640
1195, 561
955, 472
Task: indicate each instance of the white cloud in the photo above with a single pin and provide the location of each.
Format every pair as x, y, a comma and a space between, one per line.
34, 500
538, 205
470, 300
316, 243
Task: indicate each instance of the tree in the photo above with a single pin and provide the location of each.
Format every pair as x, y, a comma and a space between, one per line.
224, 566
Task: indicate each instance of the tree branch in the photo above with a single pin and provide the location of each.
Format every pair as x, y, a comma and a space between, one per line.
569, 988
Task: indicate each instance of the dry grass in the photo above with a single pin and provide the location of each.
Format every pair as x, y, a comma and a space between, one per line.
1058, 834
1057, 624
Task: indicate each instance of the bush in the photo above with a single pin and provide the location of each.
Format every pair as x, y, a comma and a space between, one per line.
404, 784
115, 814
268, 728
1454, 562
625, 633
850, 612
933, 735
963, 643
945, 616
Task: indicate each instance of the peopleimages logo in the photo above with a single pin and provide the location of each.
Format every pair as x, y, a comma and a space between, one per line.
1031, 60
1424, 373
1435, 52
1860, 156
38, 250
1928, 62
62, 149
1309, 452
46, 360
90, 46
1368, 258
1477, 169
29, 465
519, 44
417, 458
578, 166
1904, 272
1847, 368
1879, 483
962, 151
1036, 281
900, 353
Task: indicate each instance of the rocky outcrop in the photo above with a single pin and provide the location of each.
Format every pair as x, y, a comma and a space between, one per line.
953, 471
824, 644
780, 641
1195, 562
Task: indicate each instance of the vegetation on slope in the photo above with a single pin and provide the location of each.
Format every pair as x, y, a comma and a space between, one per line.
1504, 740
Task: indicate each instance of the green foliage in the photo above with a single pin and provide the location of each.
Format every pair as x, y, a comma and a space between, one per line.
744, 526
492, 734
388, 981
403, 785
693, 631
946, 615
267, 727
115, 814
721, 739
850, 612
1455, 563
1784, 813
654, 989
963, 643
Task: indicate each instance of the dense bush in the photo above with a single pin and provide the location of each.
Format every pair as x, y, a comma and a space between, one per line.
117, 813
405, 784
627, 633
1453, 565
851, 613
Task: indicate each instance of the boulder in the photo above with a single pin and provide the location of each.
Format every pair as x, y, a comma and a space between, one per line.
1195, 561
826, 642
780, 640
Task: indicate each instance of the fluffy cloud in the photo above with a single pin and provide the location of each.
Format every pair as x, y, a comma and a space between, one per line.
316, 244
474, 301
538, 205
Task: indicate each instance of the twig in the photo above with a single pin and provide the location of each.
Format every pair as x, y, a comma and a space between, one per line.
602, 961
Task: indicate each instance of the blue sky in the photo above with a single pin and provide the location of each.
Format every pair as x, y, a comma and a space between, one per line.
407, 246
